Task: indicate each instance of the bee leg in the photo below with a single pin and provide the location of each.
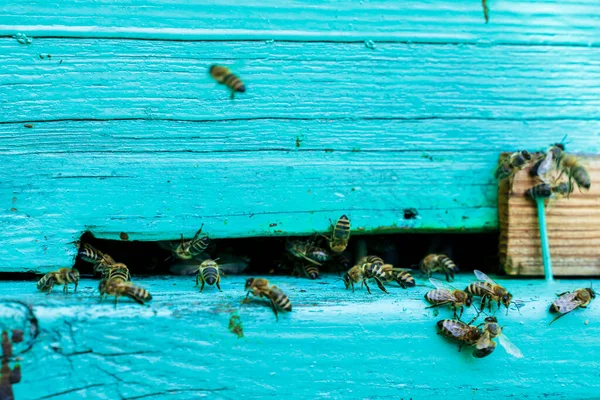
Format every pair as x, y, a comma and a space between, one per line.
196, 280
274, 309
559, 316
65, 288
232, 95
402, 285
482, 307
460, 347
201, 287
218, 286
380, 285
75, 289
367, 286
352, 287
461, 312
116, 300
50, 288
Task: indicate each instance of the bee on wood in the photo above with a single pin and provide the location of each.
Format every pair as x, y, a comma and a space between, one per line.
188, 249
547, 162
209, 272
398, 275
569, 301
340, 235
438, 263
464, 333
224, 76
117, 287
489, 290
446, 294
569, 164
362, 273
545, 190
510, 165
261, 288
307, 251
486, 346
63, 276
89, 253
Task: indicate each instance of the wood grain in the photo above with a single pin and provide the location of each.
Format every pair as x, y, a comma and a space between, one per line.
334, 344
534, 22
573, 229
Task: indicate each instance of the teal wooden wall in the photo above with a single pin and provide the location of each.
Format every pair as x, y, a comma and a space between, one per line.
132, 135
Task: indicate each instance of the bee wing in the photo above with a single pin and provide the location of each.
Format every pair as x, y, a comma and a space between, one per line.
510, 347
545, 165
483, 277
567, 303
441, 285
458, 330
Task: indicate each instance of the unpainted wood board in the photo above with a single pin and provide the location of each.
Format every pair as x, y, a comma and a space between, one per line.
569, 22
124, 79
573, 228
334, 344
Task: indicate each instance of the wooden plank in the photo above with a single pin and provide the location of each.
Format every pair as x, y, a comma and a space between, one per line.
568, 22
334, 343
573, 229
124, 79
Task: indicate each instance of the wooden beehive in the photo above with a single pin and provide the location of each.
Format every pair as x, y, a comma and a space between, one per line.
573, 228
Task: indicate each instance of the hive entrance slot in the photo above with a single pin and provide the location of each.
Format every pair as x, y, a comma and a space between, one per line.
268, 255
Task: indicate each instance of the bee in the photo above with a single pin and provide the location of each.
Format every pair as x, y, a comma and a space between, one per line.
117, 270
545, 190
362, 273
438, 262
340, 235
186, 250
398, 275
489, 290
510, 165
261, 288
575, 171
464, 333
117, 287
63, 276
309, 252
375, 260
547, 162
89, 253
446, 294
486, 346
224, 76
569, 301
209, 272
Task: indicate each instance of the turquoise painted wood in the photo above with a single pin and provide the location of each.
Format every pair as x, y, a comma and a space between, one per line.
334, 344
133, 135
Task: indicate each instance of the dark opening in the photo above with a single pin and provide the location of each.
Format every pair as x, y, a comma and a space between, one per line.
268, 255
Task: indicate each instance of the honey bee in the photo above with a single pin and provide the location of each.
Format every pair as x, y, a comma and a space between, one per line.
486, 346
224, 76
362, 273
570, 165
307, 251
398, 275
89, 253
545, 190
340, 235
63, 276
209, 272
186, 250
464, 333
489, 290
310, 271
569, 301
446, 294
547, 162
510, 165
438, 263
117, 287
116, 270
261, 288
375, 260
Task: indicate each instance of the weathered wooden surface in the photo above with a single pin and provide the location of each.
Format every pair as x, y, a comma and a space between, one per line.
568, 22
334, 344
573, 228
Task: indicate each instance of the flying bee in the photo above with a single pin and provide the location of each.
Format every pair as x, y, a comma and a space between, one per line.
186, 250
545, 190
446, 294
209, 272
63, 276
362, 273
569, 301
398, 275
224, 76
569, 164
438, 263
340, 235
464, 333
510, 165
117, 287
89, 253
486, 346
261, 288
489, 290
547, 162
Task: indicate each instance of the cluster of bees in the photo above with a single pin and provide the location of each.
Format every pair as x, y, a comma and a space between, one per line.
548, 167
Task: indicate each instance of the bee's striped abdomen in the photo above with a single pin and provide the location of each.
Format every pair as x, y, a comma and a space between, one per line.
436, 296
374, 260
280, 299
478, 289
485, 351
199, 245
45, 282
341, 230
404, 279
311, 271
234, 83
118, 271
373, 271
581, 176
138, 294
210, 274
542, 190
